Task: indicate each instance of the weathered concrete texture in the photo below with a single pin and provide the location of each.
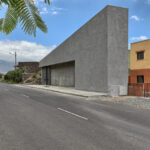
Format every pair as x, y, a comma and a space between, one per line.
100, 52
117, 20
63, 75
44, 75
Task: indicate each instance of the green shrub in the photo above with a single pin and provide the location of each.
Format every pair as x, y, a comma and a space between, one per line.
1, 75
14, 76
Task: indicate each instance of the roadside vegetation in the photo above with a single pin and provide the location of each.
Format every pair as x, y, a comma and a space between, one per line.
12, 77
16, 76
1, 75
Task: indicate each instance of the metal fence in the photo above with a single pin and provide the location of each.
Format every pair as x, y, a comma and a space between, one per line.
139, 89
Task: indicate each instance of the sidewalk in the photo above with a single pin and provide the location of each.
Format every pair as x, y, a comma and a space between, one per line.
67, 90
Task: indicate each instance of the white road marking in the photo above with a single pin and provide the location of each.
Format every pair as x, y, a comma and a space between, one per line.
72, 113
26, 96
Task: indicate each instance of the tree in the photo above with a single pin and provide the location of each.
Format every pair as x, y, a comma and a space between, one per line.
1, 75
14, 76
24, 12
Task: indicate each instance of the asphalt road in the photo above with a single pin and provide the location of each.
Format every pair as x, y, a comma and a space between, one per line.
39, 120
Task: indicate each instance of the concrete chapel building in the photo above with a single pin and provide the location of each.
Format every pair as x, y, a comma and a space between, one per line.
94, 58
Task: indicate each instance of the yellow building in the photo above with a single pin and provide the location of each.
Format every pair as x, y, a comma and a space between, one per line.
140, 62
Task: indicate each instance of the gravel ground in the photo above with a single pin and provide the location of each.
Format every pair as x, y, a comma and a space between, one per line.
138, 102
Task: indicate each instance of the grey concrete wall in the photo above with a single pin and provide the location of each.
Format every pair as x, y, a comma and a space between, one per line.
95, 48
117, 35
63, 74
43, 75
48, 75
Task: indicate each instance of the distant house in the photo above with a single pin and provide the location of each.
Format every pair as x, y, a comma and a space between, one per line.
140, 62
30, 68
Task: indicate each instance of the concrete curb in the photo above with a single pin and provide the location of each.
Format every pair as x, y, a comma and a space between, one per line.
87, 95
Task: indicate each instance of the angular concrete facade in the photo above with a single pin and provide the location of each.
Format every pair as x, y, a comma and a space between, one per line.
99, 52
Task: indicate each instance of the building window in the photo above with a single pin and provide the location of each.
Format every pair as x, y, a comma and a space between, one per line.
140, 55
140, 79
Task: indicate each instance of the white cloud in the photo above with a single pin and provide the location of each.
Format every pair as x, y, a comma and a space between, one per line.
52, 10
136, 18
37, 2
140, 38
26, 51
44, 11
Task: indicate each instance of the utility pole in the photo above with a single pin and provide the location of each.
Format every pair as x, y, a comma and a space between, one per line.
15, 60
15, 54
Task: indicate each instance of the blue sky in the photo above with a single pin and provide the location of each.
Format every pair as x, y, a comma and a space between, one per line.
64, 17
